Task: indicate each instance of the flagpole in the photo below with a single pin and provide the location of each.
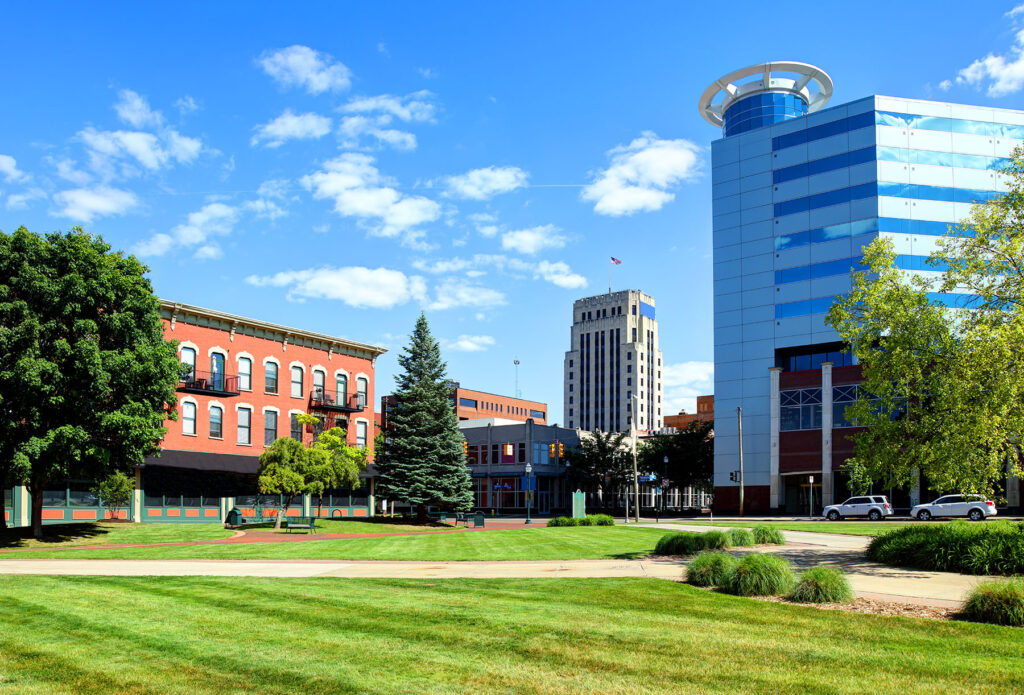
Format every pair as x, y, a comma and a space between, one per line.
609, 277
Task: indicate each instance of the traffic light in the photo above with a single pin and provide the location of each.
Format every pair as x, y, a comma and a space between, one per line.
734, 476
465, 448
561, 450
551, 450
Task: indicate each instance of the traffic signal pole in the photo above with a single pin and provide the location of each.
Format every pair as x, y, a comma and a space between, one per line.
739, 426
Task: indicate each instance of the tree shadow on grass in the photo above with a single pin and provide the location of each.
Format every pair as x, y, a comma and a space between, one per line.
55, 534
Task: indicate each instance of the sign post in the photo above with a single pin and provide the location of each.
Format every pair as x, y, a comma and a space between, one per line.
810, 496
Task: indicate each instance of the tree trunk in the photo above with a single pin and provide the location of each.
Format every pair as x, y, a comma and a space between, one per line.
421, 514
37, 510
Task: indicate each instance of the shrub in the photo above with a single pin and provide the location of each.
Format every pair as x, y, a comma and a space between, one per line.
761, 574
765, 534
682, 543
711, 569
1000, 601
601, 519
994, 547
715, 540
822, 584
585, 521
741, 537
563, 521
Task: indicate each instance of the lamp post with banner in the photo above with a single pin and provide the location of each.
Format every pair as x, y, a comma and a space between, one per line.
529, 492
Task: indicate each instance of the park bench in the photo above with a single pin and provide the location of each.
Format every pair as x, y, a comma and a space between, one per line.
302, 522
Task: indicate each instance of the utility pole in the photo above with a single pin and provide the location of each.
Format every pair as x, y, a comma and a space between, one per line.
636, 482
516, 363
739, 425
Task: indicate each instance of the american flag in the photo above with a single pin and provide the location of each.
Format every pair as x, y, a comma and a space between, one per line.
616, 261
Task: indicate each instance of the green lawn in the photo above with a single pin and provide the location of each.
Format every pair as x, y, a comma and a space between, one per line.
171, 635
101, 533
512, 544
850, 528
376, 525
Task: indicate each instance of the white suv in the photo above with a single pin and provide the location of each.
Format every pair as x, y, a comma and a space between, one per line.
974, 507
874, 507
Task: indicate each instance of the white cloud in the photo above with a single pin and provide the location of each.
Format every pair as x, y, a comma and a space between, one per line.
352, 128
212, 220
67, 170
129, 147
1000, 75
468, 343
457, 293
20, 201
133, 109
414, 107
428, 73
356, 286
291, 126
481, 184
531, 241
684, 381
641, 174
382, 48
267, 209
359, 190
559, 273
273, 188
9, 169
301, 66
87, 204
186, 105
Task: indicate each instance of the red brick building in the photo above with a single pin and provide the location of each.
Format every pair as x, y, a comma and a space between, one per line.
475, 405
705, 413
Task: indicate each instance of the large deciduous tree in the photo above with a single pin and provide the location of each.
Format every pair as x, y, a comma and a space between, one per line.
690, 455
601, 462
943, 391
425, 464
86, 375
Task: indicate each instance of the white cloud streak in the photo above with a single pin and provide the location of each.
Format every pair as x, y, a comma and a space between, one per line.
684, 381
999, 75
291, 126
469, 343
485, 183
88, 204
356, 286
533, 240
9, 169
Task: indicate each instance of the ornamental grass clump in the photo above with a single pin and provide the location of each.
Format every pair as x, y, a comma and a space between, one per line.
563, 521
1000, 601
681, 543
741, 537
711, 569
715, 540
601, 519
768, 535
822, 584
994, 547
761, 574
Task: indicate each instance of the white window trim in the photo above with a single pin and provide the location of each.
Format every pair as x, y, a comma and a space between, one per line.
209, 408
362, 375
195, 420
339, 372
188, 344
295, 411
369, 438
296, 363
272, 409
240, 406
321, 368
291, 380
274, 360
245, 355
217, 349
238, 422
211, 404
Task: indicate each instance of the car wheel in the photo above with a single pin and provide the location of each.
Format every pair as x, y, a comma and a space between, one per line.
833, 515
975, 515
874, 515
924, 515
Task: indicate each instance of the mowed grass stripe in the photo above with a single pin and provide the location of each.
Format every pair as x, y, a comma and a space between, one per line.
182, 635
849, 528
513, 544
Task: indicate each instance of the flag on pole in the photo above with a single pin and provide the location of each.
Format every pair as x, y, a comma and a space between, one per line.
616, 261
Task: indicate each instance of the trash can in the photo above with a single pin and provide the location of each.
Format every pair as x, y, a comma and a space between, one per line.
234, 517
478, 520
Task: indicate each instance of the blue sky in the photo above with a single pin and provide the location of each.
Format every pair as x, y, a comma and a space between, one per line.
340, 167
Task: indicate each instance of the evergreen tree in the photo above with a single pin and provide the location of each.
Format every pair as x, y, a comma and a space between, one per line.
425, 464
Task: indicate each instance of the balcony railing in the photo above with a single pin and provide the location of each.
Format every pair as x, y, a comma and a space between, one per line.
329, 399
218, 383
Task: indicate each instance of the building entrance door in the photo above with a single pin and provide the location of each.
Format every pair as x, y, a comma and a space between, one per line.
798, 494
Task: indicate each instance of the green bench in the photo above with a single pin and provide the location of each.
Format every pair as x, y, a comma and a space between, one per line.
301, 522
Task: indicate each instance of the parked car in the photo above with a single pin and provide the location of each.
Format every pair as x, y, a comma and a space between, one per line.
974, 507
874, 507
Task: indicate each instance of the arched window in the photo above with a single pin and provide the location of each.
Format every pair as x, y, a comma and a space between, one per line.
188, 418
319, 379
296, 382
362, 385
217, 371
271, 377
361, 434
188, 356
245, 374
341, 383
216, 423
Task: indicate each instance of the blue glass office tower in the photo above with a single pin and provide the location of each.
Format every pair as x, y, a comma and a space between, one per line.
798, 191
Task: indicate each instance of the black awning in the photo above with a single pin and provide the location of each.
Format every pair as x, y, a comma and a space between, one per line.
204, 461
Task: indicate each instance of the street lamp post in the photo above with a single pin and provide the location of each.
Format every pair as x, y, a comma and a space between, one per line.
636, 482
529, 470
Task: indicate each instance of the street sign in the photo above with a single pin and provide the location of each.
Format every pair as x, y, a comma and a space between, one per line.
812, 478
524, 485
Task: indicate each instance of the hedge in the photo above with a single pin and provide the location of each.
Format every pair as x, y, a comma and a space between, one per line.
994, 547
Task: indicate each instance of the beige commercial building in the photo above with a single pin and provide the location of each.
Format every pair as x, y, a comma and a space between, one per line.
614, 364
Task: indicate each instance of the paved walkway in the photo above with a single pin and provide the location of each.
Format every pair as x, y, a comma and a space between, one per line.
803, 549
